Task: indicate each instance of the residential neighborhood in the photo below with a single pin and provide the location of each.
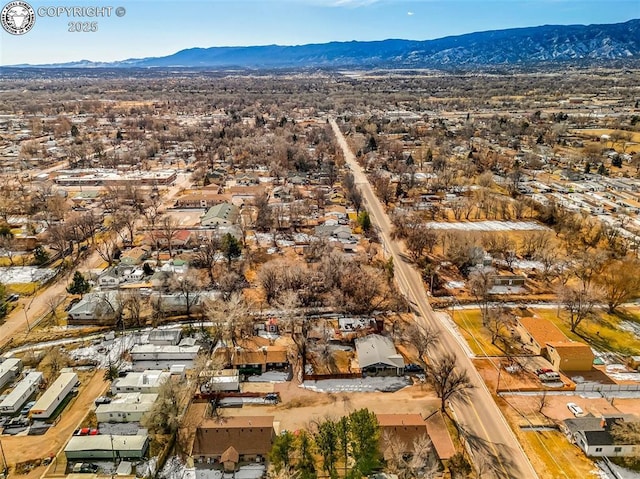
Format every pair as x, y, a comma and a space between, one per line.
299, 274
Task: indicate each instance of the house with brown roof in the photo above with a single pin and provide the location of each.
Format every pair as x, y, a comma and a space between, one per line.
400, 431
544, 338
201, 199
135, 255
536, 332
570, 356
266, 358
231, 441
440, 437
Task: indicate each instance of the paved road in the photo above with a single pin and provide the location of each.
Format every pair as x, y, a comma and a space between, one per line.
495, 448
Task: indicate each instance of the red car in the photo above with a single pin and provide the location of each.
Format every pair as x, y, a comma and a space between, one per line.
94, 432
83, 432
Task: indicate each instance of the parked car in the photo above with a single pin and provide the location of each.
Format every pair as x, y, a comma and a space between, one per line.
413, 368
13, 297
272, 397
549, 377
85, 467
27, 407
543, 371
102, 400
94, 432
575, 409
83, 431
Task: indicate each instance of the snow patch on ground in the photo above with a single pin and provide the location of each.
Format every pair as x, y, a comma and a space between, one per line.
369, 384
488, 226
25, 274
631, 326
269, 377
106, 352
635, 377
148, 468
454, 285
251, 471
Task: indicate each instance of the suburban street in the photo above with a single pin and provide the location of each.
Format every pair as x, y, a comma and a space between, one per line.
494, 447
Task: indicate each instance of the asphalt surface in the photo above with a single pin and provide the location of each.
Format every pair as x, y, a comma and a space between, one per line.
493, 445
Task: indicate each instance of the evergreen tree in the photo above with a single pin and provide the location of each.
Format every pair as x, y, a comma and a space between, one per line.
230, 247
326, 438
364, 220
40, 255
365, 435
79, 285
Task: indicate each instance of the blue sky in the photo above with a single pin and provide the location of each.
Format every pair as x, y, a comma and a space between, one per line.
157, 28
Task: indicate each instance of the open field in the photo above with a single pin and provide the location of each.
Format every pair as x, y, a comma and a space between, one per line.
603, 333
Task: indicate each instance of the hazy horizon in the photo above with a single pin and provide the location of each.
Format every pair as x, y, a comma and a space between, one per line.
154, 29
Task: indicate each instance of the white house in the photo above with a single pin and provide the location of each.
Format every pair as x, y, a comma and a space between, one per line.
377, 355
126, 407
593, 436
21, 393
46, 405
148, 381
9, 370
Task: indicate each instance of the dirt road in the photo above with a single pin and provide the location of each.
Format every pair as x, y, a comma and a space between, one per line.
31, 310
489, 438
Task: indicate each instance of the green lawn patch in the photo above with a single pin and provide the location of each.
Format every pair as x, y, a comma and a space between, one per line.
602, 332
469, 322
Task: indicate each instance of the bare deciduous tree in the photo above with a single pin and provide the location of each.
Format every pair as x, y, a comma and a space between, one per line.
447, 379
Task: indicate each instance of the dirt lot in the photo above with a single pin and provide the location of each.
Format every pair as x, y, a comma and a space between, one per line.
310, 406
24, 448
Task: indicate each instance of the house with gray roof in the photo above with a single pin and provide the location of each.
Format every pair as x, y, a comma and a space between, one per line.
96, 308
378, 355
593, 435
223, 214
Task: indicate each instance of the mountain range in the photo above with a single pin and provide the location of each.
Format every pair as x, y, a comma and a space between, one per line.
518, 46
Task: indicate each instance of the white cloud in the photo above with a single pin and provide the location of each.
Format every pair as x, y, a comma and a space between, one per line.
410, 14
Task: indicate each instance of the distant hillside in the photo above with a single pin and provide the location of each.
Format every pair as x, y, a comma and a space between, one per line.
520, 46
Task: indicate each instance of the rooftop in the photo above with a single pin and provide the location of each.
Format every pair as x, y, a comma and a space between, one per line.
542, 330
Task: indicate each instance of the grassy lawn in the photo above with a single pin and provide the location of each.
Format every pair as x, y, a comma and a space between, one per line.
553, 456
23, 289
469, 322
603, 333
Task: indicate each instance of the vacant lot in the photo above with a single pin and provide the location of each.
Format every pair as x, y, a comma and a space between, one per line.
300, 408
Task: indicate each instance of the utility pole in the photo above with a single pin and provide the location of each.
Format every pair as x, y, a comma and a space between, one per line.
5, 468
